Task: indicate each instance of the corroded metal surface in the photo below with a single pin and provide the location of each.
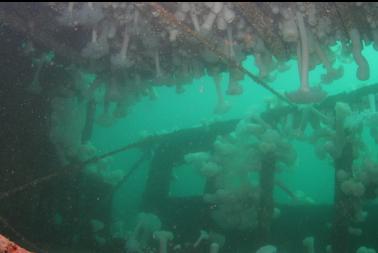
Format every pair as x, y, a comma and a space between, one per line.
264, 25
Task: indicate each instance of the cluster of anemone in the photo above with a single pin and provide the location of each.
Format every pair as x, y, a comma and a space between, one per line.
330, 138
103, 169
234, 209
231, 164
134, 37
67, 121
148, 235
147, 225
235, 156
365, 171
346, 128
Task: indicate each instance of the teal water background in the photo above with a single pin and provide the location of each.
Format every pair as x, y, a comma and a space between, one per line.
195, 106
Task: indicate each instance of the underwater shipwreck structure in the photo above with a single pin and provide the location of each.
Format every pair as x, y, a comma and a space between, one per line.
130, 48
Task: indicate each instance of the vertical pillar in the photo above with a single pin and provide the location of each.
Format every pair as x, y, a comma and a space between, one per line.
265, 213
343, 204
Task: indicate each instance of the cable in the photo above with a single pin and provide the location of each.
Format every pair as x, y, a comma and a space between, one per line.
78, 165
